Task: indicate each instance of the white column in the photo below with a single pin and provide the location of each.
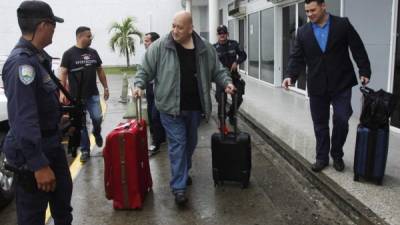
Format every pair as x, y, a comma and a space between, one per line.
213, 19
189, 5
150, 22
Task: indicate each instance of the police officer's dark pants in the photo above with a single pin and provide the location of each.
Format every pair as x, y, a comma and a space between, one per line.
156, 129
320, 113
31, 207
239, 95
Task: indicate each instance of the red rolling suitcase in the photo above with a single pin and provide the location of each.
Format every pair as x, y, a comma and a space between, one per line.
127, 175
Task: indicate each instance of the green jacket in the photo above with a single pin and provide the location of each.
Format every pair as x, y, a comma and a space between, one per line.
161, 63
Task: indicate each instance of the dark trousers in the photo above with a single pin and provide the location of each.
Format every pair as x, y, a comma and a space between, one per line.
240, 92
31, 207
156, 129
320, 113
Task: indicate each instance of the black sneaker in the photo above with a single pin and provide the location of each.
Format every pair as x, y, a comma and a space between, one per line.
338, 164
99, 141
232, 120
319, 165
85, 157
180, 198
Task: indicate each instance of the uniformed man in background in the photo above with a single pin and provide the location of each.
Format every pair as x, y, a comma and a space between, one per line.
230, 55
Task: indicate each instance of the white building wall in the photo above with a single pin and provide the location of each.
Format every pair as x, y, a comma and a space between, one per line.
376, 37
200, 20
156, 15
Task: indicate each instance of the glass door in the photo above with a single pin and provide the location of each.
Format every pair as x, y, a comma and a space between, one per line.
395, 121
253, 55
242, 40
293, 16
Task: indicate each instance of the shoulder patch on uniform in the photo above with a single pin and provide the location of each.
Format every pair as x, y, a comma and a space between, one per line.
26, 74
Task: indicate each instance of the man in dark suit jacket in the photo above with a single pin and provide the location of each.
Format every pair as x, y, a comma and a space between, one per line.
323, 46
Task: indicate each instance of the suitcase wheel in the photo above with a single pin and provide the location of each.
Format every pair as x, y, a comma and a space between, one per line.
218, 183
379, 181
356, 177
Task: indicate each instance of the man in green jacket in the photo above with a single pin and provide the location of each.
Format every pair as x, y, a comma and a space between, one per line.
183, 65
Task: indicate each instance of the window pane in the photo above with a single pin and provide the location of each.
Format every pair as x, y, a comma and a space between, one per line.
289, 33
241, 40
302, 15
231, 28
254, 35
221, 17
267, 45
302, 19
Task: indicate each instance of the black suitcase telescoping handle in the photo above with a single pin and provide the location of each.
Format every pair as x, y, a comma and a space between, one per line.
366, 90
222, 114
235, 110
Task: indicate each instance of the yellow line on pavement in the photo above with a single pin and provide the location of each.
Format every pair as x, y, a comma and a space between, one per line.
76, 165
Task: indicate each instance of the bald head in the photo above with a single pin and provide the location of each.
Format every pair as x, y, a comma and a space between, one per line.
182, 26
184, 16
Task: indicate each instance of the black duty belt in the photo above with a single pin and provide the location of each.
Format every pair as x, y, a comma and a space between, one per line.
49, 133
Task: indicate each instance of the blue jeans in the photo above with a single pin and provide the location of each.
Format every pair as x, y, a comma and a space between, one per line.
182, 140
94, 109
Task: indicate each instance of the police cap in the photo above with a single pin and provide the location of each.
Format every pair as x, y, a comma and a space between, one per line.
36, 10
222, 29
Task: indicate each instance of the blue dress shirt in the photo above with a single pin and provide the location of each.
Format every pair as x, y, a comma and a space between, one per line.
321, 33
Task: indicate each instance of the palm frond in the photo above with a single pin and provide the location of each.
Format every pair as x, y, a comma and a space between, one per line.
123, 36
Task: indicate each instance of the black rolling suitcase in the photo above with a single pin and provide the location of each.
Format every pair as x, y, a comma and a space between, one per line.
373, 135
231, 154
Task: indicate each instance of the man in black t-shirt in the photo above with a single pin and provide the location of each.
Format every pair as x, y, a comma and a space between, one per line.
81, 55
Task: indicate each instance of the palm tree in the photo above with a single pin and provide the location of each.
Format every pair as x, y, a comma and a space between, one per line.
124, 37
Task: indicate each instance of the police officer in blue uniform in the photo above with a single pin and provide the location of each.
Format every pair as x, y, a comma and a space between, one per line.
33, 144
230, 55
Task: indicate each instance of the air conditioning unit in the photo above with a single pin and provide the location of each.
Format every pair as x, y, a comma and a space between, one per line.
275, 1
237, 11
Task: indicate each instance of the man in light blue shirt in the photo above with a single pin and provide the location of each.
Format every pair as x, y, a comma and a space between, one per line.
321, 33
323, 46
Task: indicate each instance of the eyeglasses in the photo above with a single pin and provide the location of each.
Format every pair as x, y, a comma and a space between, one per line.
221, 33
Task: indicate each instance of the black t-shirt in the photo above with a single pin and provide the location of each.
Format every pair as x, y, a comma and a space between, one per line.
190, 98
88, 58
